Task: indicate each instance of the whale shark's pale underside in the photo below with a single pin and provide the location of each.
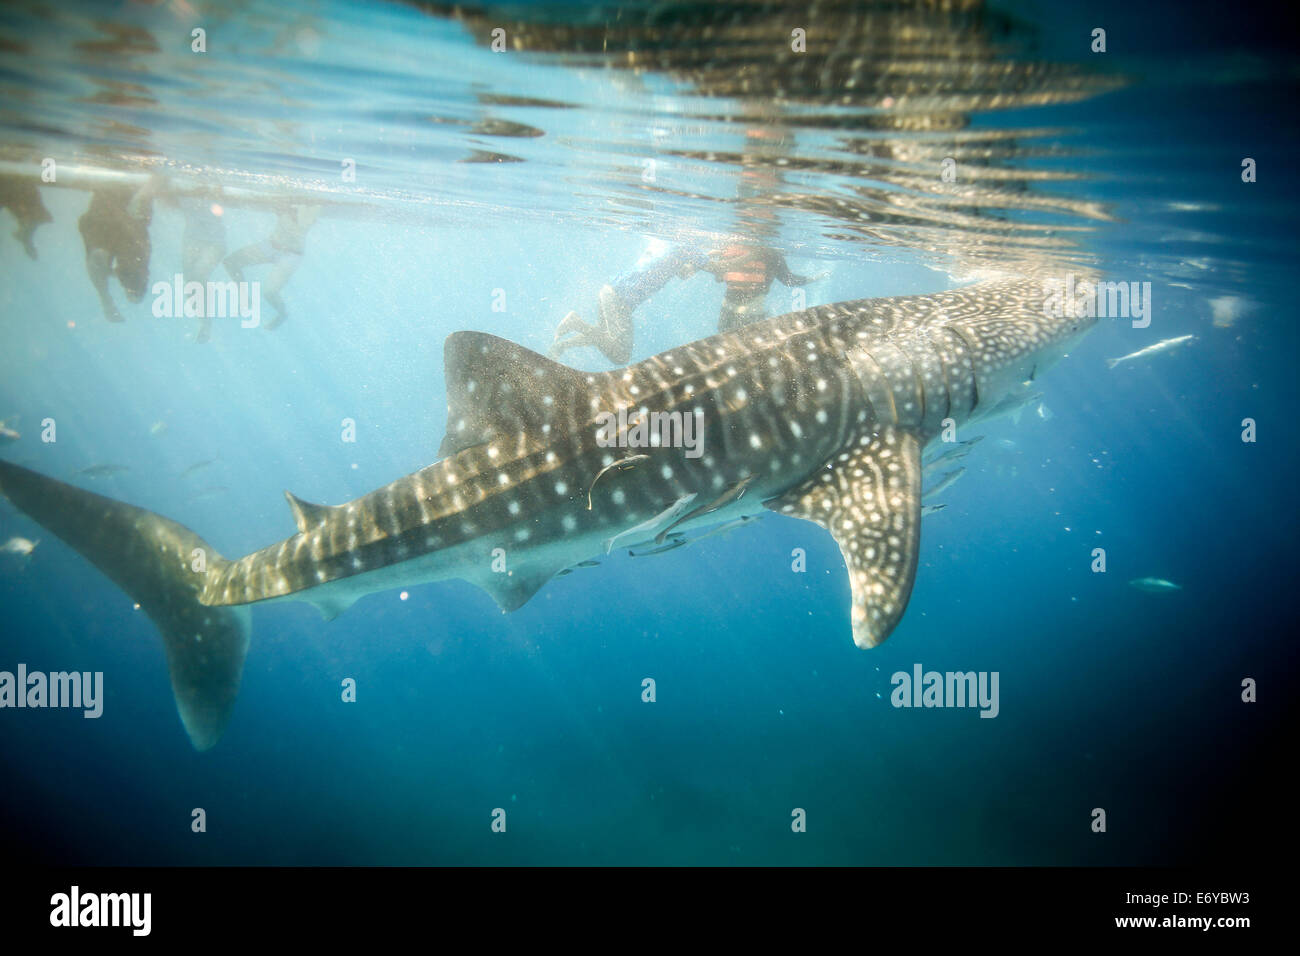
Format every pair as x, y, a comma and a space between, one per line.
821, 414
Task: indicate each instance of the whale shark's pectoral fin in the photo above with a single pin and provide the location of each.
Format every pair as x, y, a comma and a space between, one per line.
869, 498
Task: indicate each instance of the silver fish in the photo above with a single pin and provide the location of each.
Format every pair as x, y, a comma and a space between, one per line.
1162, 346
1154, 585
668, 514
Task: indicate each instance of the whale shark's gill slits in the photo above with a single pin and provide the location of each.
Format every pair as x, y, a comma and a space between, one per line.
871, 506
875, 385
970, 352
955, 370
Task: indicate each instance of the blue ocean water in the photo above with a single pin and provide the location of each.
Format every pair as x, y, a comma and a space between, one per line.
1110, 697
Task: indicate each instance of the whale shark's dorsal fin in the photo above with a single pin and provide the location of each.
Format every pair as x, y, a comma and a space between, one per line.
497, 389
306, 514
869, 498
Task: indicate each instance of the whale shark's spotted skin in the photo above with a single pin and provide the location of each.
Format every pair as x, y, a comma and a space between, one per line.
820, 414
824, 411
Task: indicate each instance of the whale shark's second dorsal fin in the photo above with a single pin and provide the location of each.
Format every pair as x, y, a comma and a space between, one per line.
869, 498
306, 514
496, 388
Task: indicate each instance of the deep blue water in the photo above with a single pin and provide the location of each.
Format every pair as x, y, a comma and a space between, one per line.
1110, 697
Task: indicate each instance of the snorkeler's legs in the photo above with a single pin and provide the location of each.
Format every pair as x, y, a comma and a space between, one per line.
737, 311
573, 326
199, 259
24, 235
257, 254
285, 266
612, 335
98, 265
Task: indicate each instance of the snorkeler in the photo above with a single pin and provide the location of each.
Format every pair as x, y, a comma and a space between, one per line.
115, 230
283, 249
20, 196
748, 271
203, 245
613, 331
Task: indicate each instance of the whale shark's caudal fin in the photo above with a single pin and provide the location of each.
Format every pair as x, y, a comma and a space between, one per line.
161, 565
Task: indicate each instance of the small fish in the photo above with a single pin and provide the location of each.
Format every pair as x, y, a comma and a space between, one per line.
968, 443
944, 484
1045, 413
649, 542
101, 471
198, 466
951, 451
7, 434
726, 527
621, 465
668, 514
734, 493
588, 564
1161, 346
1017, 409
19, 546
157, 428
676, 543
931, 509
1007, 444
947, 458
209, 492
1154, 585
560, 574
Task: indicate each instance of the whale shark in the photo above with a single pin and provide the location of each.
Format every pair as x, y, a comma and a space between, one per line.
822, 414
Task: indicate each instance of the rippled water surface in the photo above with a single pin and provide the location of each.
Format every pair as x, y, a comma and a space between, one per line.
490, 168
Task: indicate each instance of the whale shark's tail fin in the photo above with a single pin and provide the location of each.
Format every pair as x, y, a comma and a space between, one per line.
161, 565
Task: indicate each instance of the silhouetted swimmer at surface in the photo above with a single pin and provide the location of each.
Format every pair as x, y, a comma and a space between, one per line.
20, 196
283, 250
203, 245
115, 230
